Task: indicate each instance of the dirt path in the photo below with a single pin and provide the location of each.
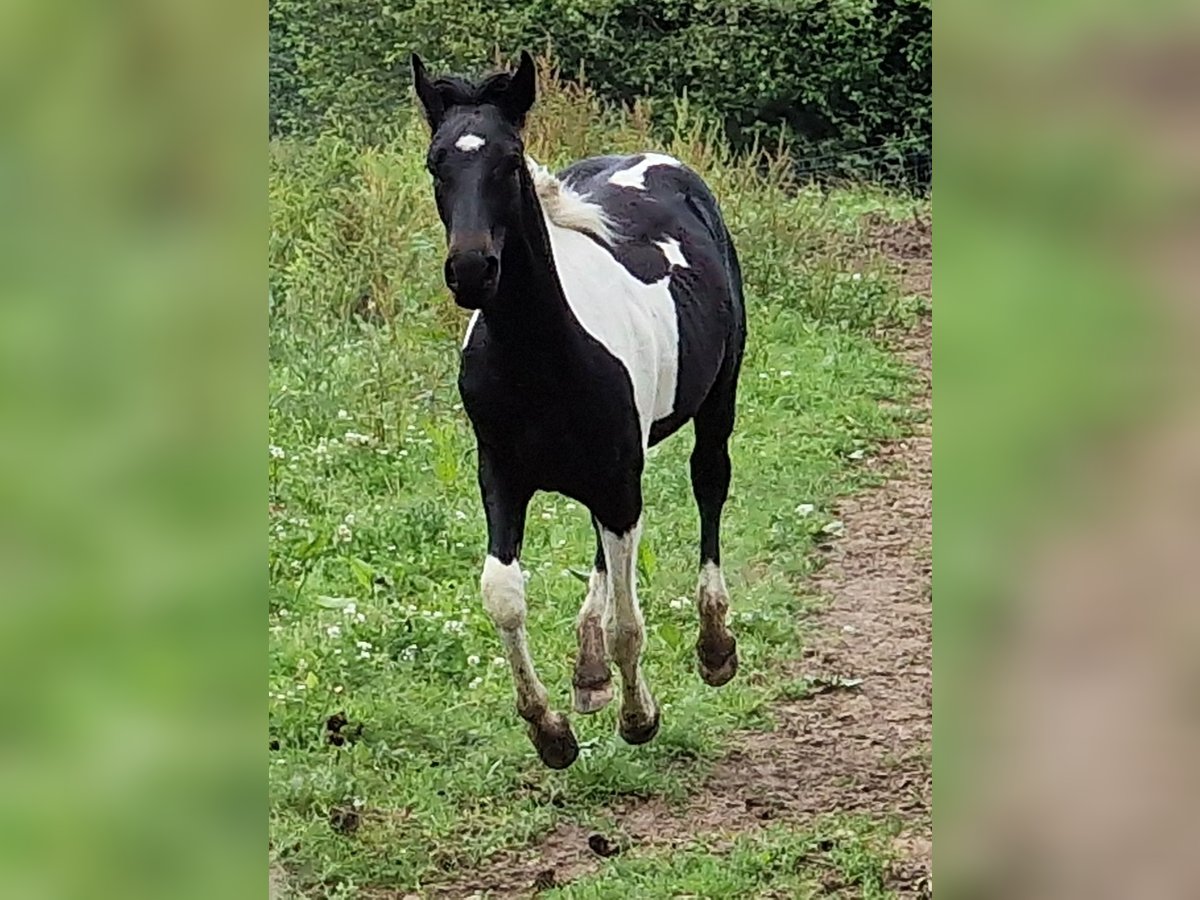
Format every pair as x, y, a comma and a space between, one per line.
862, 741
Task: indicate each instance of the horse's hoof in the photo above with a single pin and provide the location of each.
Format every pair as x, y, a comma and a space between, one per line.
718, 660
554, 741
638, 732
593, 698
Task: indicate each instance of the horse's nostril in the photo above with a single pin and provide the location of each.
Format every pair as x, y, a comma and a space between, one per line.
451, 278
491, 268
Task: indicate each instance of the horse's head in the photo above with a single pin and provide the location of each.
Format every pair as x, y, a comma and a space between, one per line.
476, 157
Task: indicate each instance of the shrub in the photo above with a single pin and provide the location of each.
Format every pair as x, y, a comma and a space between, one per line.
847, 84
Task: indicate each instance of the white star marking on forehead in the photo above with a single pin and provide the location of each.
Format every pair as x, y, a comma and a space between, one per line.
469, 143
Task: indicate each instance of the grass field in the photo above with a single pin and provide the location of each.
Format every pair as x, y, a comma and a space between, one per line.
377, 537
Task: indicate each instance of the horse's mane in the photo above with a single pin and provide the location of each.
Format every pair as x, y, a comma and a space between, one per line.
567, 208
455, 91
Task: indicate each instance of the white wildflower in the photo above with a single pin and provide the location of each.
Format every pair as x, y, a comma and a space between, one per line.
498, 661
343, 415
472, 660
355, 439
678, 603
460, 515
350, 609
475, 682
337, 688
333, 630
276, 452
786, 373
453, 626
363, 645
322, 447
344, 534
283, 612
349, 518
856, 277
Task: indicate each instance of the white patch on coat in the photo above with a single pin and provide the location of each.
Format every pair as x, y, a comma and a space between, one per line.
674, 255
635, 176
634, 321
469, 143
470, 328
566, 207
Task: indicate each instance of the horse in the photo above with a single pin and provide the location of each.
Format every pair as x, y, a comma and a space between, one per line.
607, 312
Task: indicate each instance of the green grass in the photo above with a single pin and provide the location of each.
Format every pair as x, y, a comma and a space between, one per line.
838, 857
377, 537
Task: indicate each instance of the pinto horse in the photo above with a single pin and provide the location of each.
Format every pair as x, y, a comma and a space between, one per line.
608, 312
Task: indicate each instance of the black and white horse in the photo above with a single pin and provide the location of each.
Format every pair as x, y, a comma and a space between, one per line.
608, 313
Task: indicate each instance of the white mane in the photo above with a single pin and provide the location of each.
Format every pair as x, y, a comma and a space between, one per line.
566, 208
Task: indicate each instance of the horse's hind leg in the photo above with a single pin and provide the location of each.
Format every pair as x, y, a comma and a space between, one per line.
716, 647
592, 680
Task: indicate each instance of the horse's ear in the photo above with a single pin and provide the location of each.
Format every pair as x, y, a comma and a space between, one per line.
521, 91
431, 102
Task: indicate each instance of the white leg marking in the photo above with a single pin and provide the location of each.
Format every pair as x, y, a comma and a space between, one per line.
596, 600
592, 681
717, 647
504, 599
623, 623
469, 143
674, 255
712, 597
635, 176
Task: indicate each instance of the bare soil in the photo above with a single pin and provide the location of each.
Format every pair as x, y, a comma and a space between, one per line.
861, 741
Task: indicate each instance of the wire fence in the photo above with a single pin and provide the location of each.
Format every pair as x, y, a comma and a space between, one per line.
905, 164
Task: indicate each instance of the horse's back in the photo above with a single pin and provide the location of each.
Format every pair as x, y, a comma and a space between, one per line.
670, 225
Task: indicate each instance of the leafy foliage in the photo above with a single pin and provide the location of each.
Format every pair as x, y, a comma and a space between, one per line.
847, 84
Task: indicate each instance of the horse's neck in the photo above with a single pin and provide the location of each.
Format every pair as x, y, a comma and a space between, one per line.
530, 303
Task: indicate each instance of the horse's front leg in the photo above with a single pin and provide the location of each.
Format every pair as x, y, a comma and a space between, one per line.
503, 587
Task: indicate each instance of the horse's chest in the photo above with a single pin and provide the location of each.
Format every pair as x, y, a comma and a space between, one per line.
558, 429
